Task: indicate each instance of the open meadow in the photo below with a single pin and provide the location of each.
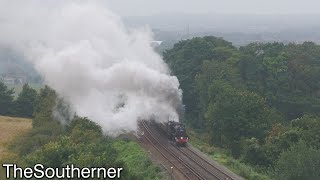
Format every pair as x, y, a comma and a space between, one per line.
11, 127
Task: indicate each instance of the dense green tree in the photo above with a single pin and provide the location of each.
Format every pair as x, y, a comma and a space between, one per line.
6, 100
234, 114
45, 126
254, 153
309, 129
299, 163
185, 60
266, 154
84, 130
44, 107
287, 75
25, 102
212, 71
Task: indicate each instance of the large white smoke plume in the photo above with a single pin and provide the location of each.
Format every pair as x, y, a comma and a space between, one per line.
104, 70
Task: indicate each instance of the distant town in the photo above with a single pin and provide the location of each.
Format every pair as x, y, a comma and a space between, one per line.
13, 80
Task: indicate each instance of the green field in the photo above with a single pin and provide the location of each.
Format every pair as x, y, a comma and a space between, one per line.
11, 127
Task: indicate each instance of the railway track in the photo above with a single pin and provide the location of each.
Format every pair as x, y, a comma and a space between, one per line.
193, 163
174, 159
203, 163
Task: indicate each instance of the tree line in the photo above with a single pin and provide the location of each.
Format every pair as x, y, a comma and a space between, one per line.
260, 101
21, 106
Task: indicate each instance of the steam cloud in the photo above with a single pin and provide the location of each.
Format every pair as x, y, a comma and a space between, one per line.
104, 70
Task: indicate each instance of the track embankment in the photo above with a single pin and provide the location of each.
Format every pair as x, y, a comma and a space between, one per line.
181, 162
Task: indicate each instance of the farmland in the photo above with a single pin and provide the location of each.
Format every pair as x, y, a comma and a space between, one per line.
11, 127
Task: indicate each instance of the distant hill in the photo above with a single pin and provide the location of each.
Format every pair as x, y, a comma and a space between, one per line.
245, 23
239, 29
14, 65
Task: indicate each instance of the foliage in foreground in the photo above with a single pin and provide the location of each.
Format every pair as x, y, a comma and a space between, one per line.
299, 162
81, 143
136, 160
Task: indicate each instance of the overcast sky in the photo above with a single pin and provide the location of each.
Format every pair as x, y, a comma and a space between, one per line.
149, 7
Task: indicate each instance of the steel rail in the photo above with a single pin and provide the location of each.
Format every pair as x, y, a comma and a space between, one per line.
228, 177
199, 176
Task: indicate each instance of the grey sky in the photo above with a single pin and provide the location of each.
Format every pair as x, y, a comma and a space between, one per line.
149, 7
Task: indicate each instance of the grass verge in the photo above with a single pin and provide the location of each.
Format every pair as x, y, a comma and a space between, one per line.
222, 157
136, 160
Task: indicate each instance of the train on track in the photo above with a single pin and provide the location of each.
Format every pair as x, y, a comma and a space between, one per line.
176, 132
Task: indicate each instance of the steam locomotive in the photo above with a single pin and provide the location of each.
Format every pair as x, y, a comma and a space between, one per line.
176, 133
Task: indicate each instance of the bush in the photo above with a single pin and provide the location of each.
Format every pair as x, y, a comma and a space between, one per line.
298, 163
136, 160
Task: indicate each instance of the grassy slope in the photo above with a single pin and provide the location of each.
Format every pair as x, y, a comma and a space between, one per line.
222, 157
137, 160
10, 127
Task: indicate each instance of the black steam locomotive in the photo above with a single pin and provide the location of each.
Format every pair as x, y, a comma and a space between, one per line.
177, 133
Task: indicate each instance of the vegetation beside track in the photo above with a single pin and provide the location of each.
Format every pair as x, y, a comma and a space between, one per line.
260, 102
200, 141
80, 142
